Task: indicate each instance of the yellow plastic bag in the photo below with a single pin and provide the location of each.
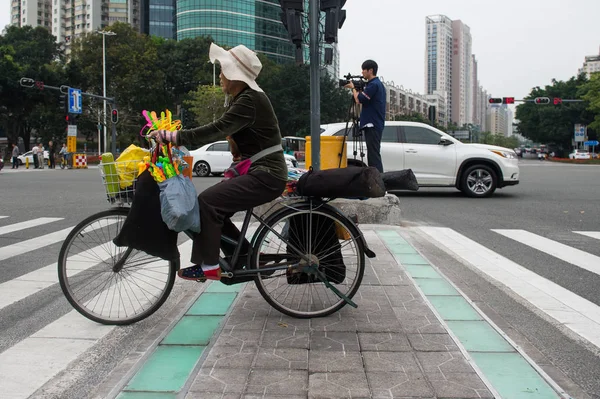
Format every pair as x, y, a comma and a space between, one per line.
127, 164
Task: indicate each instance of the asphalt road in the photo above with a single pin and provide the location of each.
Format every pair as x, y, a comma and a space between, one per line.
552, 201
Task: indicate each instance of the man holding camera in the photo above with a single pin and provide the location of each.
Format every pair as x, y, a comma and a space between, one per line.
372, 115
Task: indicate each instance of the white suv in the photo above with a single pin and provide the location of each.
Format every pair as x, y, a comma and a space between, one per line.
438, 159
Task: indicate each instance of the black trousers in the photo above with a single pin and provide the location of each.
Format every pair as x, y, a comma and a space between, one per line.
52, 161
35, 161
373, 141
218, 204
15, 164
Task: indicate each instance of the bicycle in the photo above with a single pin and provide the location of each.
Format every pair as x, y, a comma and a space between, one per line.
291, 269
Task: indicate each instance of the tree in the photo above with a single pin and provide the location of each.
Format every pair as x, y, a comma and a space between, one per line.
553, 124
33, 53
590, 92
206, 104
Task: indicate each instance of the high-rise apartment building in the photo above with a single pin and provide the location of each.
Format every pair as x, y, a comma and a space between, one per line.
591, 65
451, 67
499, 120
461, 73
69, 19
438, 59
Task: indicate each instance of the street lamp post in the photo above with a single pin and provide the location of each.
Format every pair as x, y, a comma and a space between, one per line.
104, 33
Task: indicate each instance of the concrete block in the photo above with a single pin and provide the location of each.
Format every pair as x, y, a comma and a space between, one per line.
383, 210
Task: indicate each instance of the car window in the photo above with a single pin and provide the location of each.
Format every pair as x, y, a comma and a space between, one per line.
341, 132
221, 147
420, 135
390, 134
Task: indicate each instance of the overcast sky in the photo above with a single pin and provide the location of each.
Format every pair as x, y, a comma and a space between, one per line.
519, 44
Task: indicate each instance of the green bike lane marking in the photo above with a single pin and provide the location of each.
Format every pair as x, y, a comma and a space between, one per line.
511, 375
168, 368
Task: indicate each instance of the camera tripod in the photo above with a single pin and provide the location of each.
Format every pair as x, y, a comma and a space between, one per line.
358, 143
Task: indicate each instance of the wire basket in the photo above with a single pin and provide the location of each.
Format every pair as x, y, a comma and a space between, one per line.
119, 180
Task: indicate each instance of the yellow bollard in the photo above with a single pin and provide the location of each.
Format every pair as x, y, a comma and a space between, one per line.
26, 163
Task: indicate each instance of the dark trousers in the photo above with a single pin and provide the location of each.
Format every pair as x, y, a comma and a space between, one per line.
219, 202
35, 161
15, 163
52, 161
373, 141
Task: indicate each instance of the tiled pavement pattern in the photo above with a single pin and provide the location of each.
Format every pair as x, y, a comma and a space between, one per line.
392, 346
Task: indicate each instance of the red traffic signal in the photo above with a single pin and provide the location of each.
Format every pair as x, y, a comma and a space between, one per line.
508, 100
557, 101
495, 101
542, 100
114, 117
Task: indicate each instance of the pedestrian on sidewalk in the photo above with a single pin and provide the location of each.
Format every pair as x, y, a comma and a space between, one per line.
52, 154
15, 154
63, 154
41, 155
372, 114
34, 151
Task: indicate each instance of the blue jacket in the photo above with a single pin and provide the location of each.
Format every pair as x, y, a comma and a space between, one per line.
373, 101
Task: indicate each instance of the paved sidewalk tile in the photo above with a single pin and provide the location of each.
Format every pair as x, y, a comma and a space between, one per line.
391, 346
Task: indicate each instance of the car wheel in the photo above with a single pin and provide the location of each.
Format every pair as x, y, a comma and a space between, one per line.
479, 181
20, 163
202, 169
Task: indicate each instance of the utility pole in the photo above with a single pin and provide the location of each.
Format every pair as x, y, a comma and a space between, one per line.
315, 85
104, 33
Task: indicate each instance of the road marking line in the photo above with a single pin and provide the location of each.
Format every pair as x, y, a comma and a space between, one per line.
593, 234
31, 363
563, 252
34, 243
2, 217
25, 225
568, 308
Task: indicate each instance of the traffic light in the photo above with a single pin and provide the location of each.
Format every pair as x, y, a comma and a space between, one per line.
68, 119
557, 101
63, 104
291, 17
495, 101
542, 100
114, 116
508, 100
334, 18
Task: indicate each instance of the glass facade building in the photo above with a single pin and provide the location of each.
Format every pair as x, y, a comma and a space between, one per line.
253, 23
159, 19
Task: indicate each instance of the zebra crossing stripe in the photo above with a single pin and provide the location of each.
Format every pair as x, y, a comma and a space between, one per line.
568, 308
31, 363
34, 243
11, 228
563, 252
593, 234
2, 217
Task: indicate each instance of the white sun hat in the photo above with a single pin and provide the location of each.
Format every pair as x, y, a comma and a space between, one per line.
239, 63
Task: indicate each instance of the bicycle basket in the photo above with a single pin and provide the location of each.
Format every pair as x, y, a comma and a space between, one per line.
119, 181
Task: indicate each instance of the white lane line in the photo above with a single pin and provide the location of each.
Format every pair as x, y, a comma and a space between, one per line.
593, 234
34, 243
31, 363
566, 307
2, 217
563, 252
26, 225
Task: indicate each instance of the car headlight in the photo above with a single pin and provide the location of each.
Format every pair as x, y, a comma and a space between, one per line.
505, 154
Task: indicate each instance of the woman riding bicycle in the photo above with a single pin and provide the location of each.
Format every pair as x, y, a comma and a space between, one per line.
251, 123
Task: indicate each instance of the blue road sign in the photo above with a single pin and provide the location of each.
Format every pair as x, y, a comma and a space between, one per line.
74, 101
593, 142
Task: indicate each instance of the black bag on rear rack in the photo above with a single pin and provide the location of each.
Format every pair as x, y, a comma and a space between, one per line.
325, 245
350, 182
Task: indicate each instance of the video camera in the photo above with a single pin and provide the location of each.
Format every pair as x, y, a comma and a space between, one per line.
357, 80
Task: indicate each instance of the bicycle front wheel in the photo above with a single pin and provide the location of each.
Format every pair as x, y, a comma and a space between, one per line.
332, 250
109, 284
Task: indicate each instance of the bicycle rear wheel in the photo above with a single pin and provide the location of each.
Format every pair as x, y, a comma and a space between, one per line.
109, 284
333, 245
